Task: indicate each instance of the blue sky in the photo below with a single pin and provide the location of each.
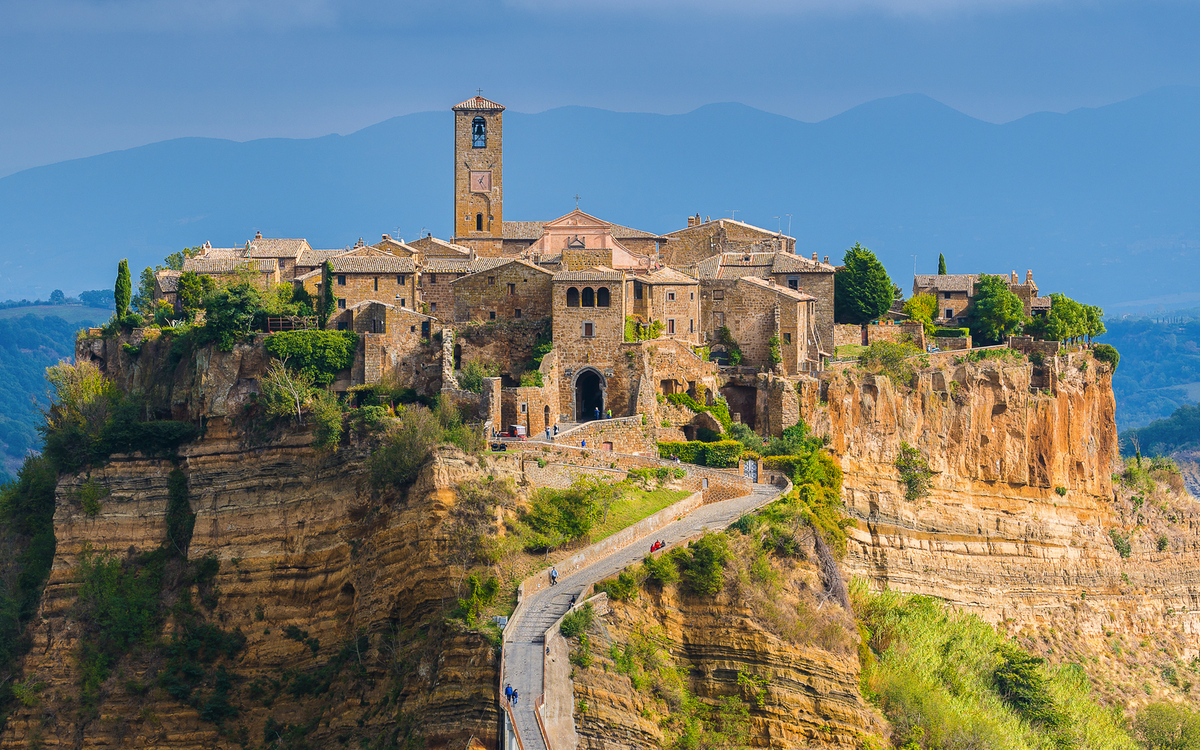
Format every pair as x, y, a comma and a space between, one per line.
81, 77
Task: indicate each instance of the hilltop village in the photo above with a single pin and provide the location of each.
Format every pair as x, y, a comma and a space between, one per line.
716, 307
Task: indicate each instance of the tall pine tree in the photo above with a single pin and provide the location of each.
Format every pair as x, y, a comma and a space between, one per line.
941, 265
328, 305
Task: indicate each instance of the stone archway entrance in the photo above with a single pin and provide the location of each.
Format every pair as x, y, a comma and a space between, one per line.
589, 394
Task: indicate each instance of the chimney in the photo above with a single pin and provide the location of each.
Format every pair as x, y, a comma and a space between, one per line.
826, 260
1012, 275
1029, 276
691, 222
258, 235
771, 281
814, 256
207, 245
387, 237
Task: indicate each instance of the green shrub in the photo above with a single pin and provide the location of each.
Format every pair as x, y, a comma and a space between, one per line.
623, 588
532, 378
181, 521
229, 315
637, 330
318, 355
405, 448
719, 409
570, 513
1060, 491
703, 564
1163, 543
1020, 682
327, 416
577, 622
473, 374
1120, 543
774, 352
895, 360
952, 333
1168, 726
1108, 354
914, 472
480, 594
721, 454
661, 570
691, 452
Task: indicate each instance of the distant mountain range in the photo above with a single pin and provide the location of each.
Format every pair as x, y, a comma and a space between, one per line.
1100, 203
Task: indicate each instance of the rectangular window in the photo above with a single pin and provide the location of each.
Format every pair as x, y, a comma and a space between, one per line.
400, 279
491, 281
793, 282
949, 313
433, 278
693, 296
692, 325
945, 295
341, 279
382, 326
512, 289
719, 319
403, 302
377, 283
718, 294
524, 408
432, 307
492, 315
517, 313
589, 329
637, 290
787, 338
341, 325
670, 296
670, 326
412, 329
342, 304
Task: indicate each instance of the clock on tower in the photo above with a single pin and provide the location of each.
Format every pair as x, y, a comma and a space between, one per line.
481, 182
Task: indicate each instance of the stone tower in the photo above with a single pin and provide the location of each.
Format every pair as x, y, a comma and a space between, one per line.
479, 175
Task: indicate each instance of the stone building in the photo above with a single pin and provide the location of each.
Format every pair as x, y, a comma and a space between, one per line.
431, 247
166, 287
515, 290
578, 241
395, 246
365, 275
669, 297
394, 339
955, 290
703, 239
261, 272
521, 236
435, 293
479, 175
795, 272
588, 330
754, 311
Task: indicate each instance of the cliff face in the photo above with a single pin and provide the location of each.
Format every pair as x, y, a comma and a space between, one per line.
775, 649
300, 542
995, 536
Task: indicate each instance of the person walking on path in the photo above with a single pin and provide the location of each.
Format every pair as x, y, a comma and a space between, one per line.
515, 696
547, 433
608, 414
553, 576
555, 429
508, 691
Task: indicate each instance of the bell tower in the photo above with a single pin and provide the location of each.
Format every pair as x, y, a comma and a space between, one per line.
479, 175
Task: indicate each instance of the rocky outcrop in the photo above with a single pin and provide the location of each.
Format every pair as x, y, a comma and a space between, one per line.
784, 654
301, 541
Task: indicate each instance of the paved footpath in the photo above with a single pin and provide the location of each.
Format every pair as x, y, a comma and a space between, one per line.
525, 646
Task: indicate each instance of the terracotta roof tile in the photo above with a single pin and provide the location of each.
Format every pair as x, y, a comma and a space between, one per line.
791, 263
263, 247
506, 262
311, 257
168, 279
385, 263
950, 282
595, 273
668, 276
478, 102
523, 230
228, 265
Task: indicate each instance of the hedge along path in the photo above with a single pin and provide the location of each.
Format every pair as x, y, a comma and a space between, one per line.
523, 656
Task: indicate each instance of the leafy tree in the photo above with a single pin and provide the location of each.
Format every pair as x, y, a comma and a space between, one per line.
862, 290
284, 392
192, 290
405, 449
914, 472
1168, 726
941, 265
328, 303
1066, 320
1020, 682
922, 308
996, 312
97, 298
1107, 353
1094, 317
229, 315
57, 297
123, 289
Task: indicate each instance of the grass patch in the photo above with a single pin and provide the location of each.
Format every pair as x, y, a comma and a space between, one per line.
849, 351
635, 506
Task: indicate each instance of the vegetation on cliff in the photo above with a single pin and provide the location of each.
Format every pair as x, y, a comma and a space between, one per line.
946, 679
1180, 431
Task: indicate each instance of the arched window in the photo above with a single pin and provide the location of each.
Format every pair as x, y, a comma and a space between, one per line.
478, 222
589, 297
478, 133
602, 298
572, 297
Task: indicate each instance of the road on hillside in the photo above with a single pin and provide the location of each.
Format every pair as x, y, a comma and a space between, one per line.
525, 646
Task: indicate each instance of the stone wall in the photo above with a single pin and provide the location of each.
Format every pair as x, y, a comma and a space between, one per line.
951, 343
626, 434
514, 291
436, 292
845, 334
601, 352
819, 285
579, 258
363, 287
749, 312
509, 345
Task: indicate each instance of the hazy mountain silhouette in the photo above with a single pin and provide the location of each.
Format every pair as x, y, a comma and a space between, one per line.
1101, 203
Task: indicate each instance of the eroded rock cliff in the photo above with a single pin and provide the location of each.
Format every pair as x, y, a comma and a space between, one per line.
301, 541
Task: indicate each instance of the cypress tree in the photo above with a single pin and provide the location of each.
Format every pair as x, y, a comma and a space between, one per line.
328, 303
123, 289
941, 265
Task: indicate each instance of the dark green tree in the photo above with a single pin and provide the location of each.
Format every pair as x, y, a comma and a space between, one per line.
229, 315
192, 290
328, 303
1094, 321
941, 265
57, 297
143, 299
862, 290
996, 312
123, 290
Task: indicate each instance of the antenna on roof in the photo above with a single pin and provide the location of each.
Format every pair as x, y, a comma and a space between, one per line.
778, 228
734, 212
789, 224
914, 265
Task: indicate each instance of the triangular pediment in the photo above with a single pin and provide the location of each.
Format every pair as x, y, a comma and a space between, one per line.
578, 220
